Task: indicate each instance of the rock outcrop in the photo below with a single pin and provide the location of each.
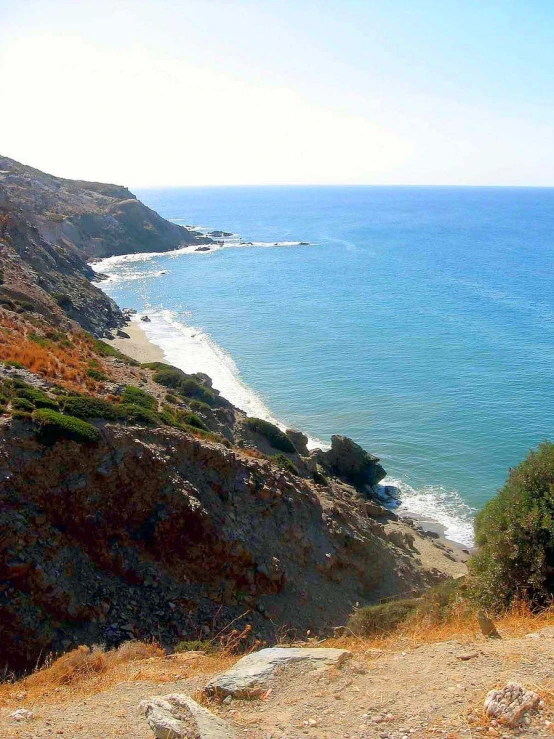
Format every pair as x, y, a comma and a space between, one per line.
178, 716
349, 461
251, 676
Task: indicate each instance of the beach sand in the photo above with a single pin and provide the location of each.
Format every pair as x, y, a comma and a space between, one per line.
138, 345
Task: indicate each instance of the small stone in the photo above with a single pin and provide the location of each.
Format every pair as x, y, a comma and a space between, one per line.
22, 714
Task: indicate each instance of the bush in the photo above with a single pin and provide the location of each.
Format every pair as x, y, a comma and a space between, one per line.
63, 300
191, 419
515, 536
188, 386
140, 416
135, 396
22, 416
97, 375
274, 435
86, 406
36, 396
55, 425
383, 618
285, 463
22, 404
106, 350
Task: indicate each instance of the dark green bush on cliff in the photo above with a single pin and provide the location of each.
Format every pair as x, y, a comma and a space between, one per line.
139, 416
135, 396
515, 535
87, 406
272, 433
22, 404
54, 426
37, 397
191, 387
285, 463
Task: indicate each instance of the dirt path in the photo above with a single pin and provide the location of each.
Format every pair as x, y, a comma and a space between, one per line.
431, 691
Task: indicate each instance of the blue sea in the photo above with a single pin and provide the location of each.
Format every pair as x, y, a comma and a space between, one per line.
417, 320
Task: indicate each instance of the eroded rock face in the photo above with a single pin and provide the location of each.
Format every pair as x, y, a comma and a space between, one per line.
251, 676
177, 716
510, 705
349, 461
299, 440
154, 532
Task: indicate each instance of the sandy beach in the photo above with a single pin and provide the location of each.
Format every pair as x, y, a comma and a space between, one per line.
138, 345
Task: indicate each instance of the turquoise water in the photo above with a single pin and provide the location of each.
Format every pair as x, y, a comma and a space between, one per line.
419, 321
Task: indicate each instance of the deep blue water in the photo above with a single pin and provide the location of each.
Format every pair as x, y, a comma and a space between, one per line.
419, 321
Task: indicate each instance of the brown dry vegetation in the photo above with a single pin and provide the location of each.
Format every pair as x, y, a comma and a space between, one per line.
64, 359
85, 671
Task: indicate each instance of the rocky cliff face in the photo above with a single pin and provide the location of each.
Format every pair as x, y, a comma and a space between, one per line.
90, 218
134, 500
50, 227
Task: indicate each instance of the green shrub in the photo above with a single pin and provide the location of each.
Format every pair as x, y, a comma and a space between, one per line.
22, 404
285, 463
107, 350
87, 406
383, 618
188, 386
36, 396
55, 425
139, 416
97, 374
515, 536
198, 405
63, 300
170, 398
274, 435
135, 396
22, 416
191, 419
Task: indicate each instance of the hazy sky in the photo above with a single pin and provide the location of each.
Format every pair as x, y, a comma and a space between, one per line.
192, 92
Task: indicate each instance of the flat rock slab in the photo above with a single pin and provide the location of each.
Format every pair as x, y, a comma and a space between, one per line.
249, 678
177, 716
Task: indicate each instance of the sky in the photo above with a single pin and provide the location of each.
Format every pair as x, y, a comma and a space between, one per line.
247, 92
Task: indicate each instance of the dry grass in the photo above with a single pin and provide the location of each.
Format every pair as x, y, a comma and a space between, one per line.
64, 361
461, 623
86, 671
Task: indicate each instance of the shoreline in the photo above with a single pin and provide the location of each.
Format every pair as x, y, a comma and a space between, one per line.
139, 347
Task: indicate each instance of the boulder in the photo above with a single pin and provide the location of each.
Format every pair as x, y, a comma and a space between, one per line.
349, 461
510, 705
250, 677
177, 716
375, 510
122, 334
299, 440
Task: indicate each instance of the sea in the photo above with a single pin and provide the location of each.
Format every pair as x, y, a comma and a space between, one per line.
418, 321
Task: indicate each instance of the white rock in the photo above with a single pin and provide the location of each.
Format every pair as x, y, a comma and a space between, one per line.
249, 678
179, 717
22, 714
511, 704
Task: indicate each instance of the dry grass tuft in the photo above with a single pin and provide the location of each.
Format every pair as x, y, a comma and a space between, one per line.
64, 359
460, 623
86, 671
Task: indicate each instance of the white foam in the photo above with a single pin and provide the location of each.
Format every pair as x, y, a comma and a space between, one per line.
192, 350
436, 504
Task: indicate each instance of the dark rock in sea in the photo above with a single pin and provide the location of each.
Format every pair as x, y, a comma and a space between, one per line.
304, 243
145, 319
219, 234
203, 248
349, 461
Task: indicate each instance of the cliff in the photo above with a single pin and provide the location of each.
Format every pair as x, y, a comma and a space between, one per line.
136, 502
51, 226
